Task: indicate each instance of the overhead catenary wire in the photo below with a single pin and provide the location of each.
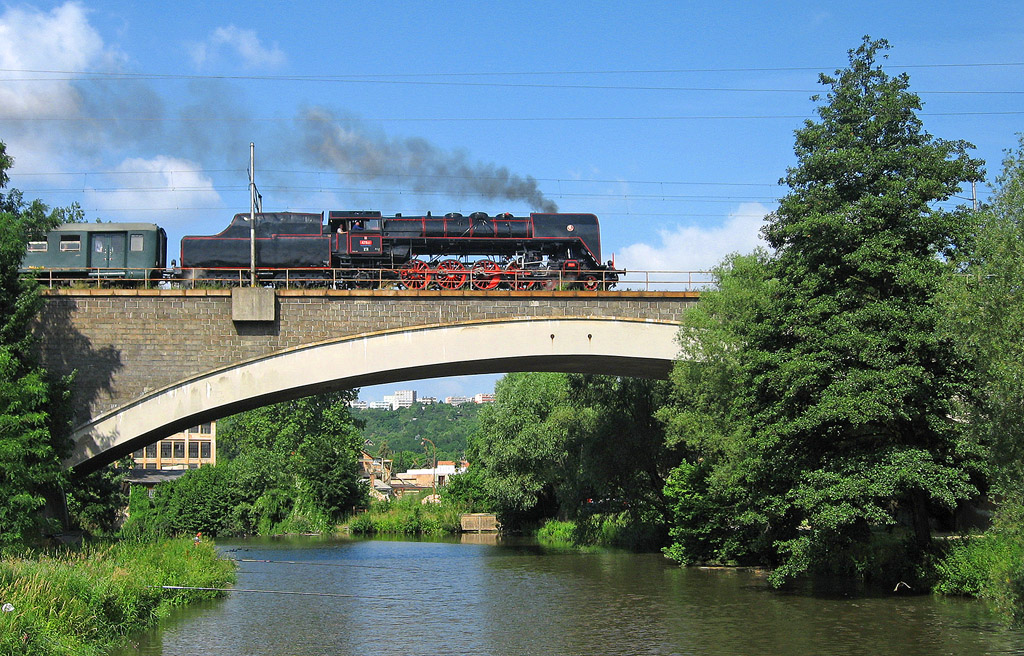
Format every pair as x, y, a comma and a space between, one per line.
593, 87
466, 119
420, 78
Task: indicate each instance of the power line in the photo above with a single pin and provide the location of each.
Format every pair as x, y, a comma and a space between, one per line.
527, 85
363, 76
394, 175
464, 119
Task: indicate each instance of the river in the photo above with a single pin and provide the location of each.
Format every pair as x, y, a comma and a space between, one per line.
483, 596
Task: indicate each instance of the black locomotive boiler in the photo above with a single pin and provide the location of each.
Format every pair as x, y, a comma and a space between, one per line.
361, 249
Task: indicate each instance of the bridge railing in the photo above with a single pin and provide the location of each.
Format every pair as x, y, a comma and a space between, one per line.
444, 278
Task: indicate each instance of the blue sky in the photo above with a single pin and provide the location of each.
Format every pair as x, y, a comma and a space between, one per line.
671, 121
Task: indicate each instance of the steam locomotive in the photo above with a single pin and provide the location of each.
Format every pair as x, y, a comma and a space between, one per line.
355, 249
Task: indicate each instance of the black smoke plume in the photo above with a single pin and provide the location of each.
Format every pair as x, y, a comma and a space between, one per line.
346, 146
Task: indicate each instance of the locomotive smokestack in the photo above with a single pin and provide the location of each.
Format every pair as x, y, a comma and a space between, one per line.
344, 144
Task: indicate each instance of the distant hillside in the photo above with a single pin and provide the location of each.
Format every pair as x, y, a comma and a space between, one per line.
402, 430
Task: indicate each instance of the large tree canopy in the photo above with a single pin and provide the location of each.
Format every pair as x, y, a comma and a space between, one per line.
846, 387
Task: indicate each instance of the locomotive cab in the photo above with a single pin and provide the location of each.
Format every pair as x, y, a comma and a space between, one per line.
356, 233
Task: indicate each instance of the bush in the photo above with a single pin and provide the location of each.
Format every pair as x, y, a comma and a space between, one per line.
989, 565
623, 530
557, 533
408, 516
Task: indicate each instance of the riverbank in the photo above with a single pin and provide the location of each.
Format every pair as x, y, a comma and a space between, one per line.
83, 602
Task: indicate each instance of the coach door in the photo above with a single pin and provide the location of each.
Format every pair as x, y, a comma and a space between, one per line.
108, 250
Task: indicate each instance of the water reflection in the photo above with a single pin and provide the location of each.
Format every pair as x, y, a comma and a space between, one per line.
490, 596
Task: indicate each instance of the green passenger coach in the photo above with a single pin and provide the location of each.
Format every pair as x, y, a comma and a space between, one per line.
136, 251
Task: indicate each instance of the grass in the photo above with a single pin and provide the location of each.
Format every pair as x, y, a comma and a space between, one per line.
82, 602
408, 516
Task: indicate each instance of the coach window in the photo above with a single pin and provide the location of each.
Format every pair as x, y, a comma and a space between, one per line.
371, 224
136, 243
37, 247
70, 243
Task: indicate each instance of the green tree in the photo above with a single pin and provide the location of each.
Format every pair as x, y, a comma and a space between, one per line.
618, 445
96, 501
284, 467
33, 410
572, 446
986, 319
708, 422
328, 461
853, 384
846, 388
521, 446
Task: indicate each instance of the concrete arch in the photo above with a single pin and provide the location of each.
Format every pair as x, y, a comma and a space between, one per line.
626, 347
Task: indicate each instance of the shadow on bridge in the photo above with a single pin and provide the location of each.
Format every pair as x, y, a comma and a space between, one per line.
61, 345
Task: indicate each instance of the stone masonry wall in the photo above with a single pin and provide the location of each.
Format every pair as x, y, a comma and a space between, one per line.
125, 343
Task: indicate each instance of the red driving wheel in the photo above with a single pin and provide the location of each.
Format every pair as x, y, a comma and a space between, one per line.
415, 274
486, 274
451, 274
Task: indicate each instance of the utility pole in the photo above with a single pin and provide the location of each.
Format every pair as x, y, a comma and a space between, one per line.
255, 204
974, 195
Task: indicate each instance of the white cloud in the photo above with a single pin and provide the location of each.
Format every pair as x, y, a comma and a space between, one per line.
50, 122
139, 186
694, 248
59, 40
245, 43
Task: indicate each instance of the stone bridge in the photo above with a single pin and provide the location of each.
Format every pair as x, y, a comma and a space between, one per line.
149, 363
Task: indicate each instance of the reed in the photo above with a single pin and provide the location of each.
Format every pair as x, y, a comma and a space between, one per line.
81, 602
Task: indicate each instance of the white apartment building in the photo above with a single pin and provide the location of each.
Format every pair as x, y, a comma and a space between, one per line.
401, 399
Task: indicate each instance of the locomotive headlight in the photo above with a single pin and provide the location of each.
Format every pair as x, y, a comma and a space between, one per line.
570, 227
